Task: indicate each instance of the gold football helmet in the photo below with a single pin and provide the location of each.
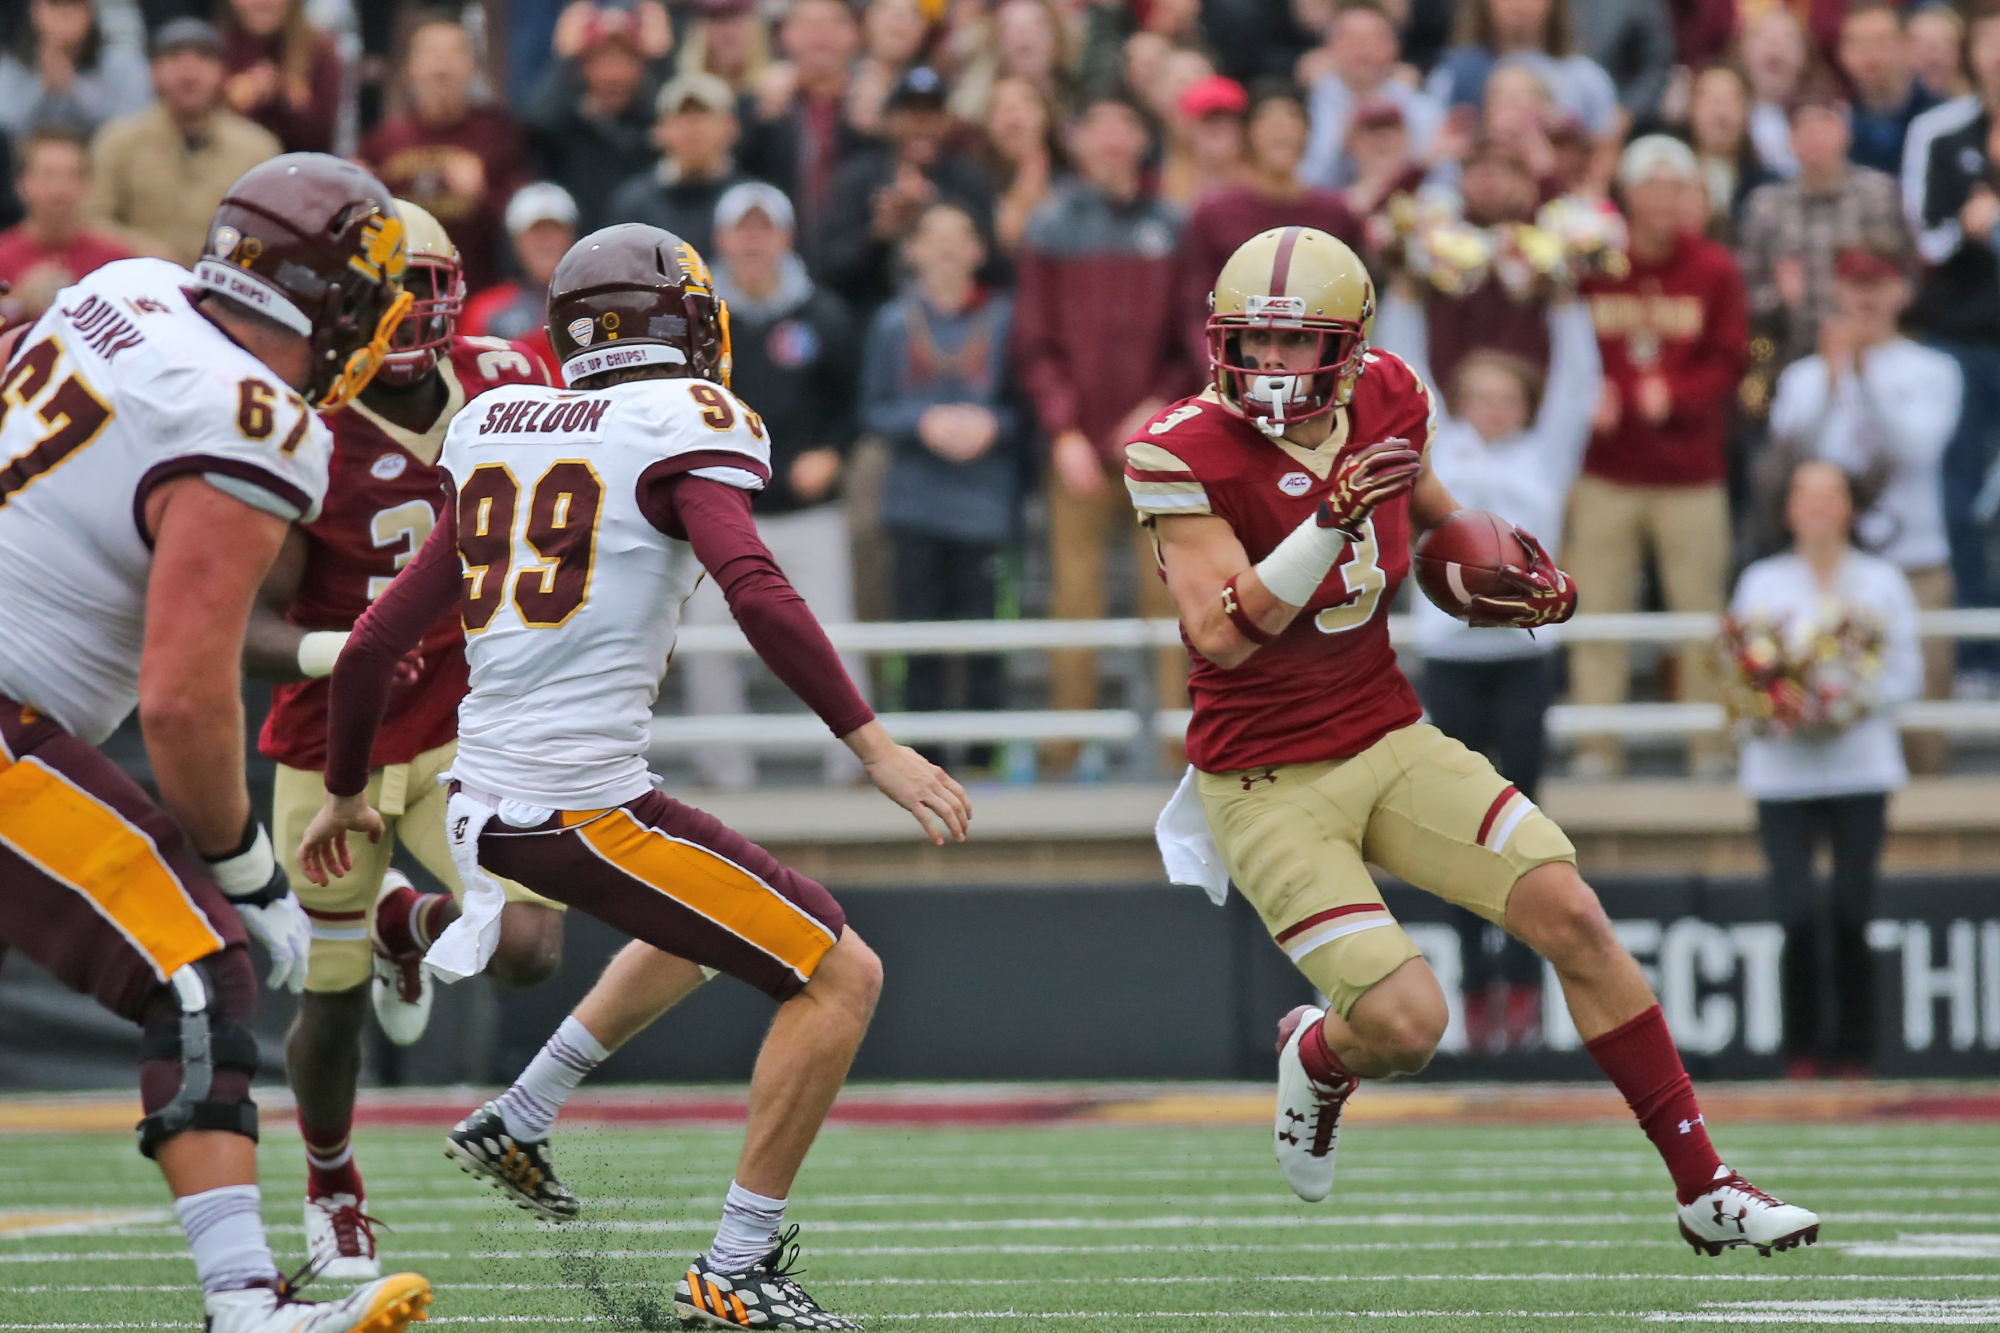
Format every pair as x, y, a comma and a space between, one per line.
1290, 278
435, 279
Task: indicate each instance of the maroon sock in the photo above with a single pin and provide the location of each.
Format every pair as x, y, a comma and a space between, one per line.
407, 921
1322, 1065
1640, 1060
330, 1166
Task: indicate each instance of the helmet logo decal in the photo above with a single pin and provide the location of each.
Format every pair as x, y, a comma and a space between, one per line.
581, 331
1295, 484
383, 250
694, 268
611, 322
1259, 306
236, 248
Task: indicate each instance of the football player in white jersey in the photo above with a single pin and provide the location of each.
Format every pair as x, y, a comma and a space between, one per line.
581, 521
159, 433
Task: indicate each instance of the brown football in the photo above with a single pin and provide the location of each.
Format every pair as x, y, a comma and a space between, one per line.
1462, 558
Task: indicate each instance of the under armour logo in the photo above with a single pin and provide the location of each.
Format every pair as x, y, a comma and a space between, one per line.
1294, 1116
1289, 1137
1250, 780
458, 828
1229, 602
1723, 1219
1688, 1125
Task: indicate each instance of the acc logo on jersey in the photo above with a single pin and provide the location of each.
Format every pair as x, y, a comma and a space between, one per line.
1295, 483
388, 467
581, 331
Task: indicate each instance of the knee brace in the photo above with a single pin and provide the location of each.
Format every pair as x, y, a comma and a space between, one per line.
197, 1025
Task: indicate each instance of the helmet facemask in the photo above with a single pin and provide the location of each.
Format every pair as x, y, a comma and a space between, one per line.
437, 291
1276, 400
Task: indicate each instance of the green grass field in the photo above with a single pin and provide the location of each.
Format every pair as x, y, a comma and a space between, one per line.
1074, 1226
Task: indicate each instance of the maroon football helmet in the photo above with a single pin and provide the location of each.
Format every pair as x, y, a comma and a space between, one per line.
634, 295
314, 243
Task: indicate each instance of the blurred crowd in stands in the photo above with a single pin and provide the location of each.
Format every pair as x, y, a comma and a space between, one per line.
1655, 253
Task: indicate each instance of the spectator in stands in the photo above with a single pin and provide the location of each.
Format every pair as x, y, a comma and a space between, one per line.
1022, 156
1204, 141
61, 70
1882, 407
1025, 39
1362, 52
1538, 34
1510, 444
1672, 334
284, 73
1268, 196
1936, 36
52, 247
1777, 60
798, 136
881, 191
158, 174
935, 387
591, 119
1718, 130
1099, 349
895, 38
1957, 194
1818, 788
541, 224
459, 159
1793, 229
1875, 57
1633, 42
1385, 163
796, 361
728, 39
696, 133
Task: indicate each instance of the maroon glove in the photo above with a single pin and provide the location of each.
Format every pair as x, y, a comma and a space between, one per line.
1364, 479
1547, 595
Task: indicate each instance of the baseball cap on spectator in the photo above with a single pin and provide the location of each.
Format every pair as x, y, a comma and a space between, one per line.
188, 34
705, 90
1215, 95
1860, 263
739, 201
544, 201
1652, 155
610, 25
920, 86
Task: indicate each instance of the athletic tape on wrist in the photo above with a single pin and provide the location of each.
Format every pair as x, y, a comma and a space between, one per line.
1232, 606
1299, 564
249, 872
319, 649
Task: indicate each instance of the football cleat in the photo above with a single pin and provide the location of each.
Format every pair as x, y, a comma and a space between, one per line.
387, 1305
522, 1170
1735, 1212
1308, 1120
765, 1295
340, 1239
401, 990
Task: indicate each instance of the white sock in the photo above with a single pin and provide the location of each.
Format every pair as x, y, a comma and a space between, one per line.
530, 1107
225, 1229
749, 1230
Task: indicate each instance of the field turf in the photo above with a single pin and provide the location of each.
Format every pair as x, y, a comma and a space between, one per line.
1141, 1228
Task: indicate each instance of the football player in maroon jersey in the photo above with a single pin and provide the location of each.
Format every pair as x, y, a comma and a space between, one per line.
382, 502
1283, 502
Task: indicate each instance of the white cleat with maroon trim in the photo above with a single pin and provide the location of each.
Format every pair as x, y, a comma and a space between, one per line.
1308, 1119
1735, 1212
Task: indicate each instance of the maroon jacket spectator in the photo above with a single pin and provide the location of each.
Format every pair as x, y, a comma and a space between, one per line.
796, 133
51, 248
284, 73
458, 160
1269, 196
541, 223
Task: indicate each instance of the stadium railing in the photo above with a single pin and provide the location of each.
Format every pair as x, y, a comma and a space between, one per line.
1632, 721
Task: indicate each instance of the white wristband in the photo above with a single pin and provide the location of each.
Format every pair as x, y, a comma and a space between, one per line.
319, 650
1299, 564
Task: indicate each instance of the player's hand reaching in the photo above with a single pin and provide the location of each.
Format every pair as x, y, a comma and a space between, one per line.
323, 853
913, 782
1547, 595
1364, 479
257, 886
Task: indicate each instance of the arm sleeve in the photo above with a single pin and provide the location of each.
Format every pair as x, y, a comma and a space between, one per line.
393, 625
1160, 484
715, 519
